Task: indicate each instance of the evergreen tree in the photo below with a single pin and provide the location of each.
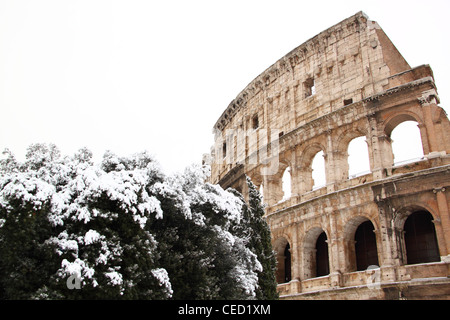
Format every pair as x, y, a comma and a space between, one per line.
121, 230
260, 243
66, 218
26, 259
204, 258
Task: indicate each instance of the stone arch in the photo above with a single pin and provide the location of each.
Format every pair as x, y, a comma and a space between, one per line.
400, 220
309, 151
396, 119
322, 255
310, 263
319, 170
419, 235
358, 159
350, 230
286, 182
306, 162
342, 148
273, 184
348, 135
393, 121
341, 151
282, 248
403, 213
407, 143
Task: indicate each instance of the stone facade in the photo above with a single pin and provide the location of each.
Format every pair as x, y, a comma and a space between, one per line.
356, 237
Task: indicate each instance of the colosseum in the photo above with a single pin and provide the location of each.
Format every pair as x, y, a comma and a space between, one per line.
383, 233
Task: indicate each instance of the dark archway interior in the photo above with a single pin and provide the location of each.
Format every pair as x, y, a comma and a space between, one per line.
420, 238
365, 246
322, 260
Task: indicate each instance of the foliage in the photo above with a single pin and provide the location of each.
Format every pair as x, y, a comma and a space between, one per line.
124, 230
260, 242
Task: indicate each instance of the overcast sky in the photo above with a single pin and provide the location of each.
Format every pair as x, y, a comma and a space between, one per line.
156, 75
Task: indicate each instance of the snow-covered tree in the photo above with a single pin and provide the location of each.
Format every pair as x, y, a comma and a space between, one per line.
261, 244
70, 229
66, 218
205, 259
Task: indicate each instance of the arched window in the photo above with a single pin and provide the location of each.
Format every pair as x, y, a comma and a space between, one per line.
322, 260
283, 250
420, 238
358, 157
255, 122
261, 191
286, 181
406, 143
287, 263
318, 167
365, 246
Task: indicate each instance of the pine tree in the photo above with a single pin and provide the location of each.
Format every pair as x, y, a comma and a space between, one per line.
121, 229
260, 243
203, 255
63, 218
26, 259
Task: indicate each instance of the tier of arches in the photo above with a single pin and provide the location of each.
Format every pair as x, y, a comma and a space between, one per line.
362, 242
347, 154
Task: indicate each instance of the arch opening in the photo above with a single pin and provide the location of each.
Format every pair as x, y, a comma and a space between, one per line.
261, 192
365, 246
284, 261
318, 170
286, 184
287, 263
406, 143
358, 157
322, 258
420, 238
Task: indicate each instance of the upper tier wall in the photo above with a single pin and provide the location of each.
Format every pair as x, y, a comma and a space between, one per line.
342, 65
350, 60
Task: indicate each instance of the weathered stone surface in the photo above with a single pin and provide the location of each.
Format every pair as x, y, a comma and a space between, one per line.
348, 81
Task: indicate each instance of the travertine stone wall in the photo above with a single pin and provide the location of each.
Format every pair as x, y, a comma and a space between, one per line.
348, 81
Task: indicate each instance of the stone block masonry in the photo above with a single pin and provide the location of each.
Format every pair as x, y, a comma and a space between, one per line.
384, 234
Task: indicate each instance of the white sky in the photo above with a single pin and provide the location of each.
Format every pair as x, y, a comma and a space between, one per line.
155, 75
